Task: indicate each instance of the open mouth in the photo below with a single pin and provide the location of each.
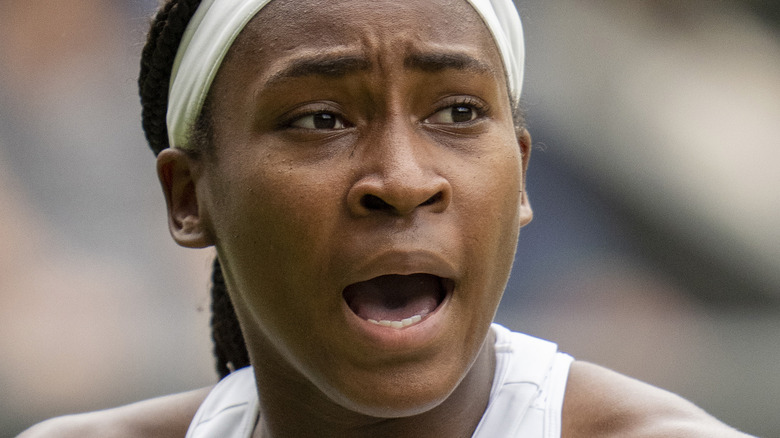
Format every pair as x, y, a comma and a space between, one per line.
397, 301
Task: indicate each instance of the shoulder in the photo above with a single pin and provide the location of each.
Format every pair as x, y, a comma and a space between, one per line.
167, 416
603, 403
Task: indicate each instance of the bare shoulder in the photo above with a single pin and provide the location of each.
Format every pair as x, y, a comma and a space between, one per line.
603, 403
167, 416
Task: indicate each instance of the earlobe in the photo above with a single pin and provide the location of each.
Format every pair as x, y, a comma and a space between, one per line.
187, 222
524, 142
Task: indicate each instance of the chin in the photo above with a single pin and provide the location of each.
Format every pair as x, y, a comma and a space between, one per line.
395, 405
399, 394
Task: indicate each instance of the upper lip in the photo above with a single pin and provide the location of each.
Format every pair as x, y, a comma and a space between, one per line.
402, 262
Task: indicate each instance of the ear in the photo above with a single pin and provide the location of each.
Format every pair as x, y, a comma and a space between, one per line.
178, 174
524, 142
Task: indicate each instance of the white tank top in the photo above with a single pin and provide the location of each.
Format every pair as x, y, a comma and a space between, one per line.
525, 400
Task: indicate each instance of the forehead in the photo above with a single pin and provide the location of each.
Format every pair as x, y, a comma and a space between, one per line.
286, 28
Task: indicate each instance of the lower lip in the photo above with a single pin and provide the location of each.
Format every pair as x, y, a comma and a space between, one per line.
406, 339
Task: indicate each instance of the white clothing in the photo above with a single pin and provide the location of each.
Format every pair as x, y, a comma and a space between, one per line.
525, 401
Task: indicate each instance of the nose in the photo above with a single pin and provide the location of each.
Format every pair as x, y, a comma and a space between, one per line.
400, 174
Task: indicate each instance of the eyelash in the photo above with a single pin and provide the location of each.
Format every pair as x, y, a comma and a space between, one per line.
289, 123
478, 106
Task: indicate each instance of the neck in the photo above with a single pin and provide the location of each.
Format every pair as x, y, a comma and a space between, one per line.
292, 407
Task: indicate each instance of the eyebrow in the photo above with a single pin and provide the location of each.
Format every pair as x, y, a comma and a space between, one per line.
436, 62
327, 66
339, 66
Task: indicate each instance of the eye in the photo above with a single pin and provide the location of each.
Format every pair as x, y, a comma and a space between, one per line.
319, 120
454, 114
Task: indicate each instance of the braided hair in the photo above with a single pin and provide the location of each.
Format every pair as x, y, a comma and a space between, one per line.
157, 58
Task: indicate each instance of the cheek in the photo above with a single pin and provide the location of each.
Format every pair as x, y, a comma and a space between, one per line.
272, 236
494, 193
272, 219
491, 220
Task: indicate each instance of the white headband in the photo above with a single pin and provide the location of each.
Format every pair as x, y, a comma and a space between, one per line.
217, 23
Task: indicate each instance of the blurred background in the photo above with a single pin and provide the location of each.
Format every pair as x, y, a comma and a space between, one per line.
655, 248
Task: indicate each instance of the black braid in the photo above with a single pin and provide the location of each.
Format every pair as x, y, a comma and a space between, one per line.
157, 59
229, 346
156, 64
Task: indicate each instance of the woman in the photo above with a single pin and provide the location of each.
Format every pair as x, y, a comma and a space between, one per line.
360, 169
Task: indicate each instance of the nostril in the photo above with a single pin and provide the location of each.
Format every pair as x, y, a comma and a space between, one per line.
433, 199
371, 202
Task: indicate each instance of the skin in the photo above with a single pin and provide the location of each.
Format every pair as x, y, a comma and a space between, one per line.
286, 206
599, 403
312, 124
167, 416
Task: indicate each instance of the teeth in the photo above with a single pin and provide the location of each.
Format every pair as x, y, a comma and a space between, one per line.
398, 324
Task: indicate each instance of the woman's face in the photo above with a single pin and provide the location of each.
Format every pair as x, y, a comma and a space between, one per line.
365, 193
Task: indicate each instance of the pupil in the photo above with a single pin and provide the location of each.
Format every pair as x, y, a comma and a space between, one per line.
461, 114
324, 121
